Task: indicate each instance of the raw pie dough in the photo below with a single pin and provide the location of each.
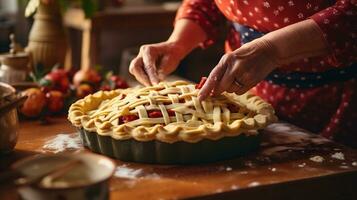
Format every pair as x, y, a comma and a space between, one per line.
170, 112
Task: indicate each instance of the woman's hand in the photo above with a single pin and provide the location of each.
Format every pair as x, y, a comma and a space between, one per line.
241, 69
245, 67
155, 61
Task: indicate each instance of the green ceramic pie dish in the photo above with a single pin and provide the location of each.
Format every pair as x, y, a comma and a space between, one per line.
157, 152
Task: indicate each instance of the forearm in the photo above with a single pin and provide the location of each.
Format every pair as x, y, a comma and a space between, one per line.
188, 35
297, 41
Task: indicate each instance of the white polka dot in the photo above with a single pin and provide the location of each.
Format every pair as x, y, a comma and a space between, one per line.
246, 2
250, 14
256, 9
266, 4
266, 19
308, 5
300, 15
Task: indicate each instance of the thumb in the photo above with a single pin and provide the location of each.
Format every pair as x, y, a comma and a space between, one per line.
149, 59
168, 64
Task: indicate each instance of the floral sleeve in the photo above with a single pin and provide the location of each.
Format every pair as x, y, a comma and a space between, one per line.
206, 14
338, 26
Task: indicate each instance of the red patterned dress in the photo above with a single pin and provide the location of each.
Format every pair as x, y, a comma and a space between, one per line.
329, 109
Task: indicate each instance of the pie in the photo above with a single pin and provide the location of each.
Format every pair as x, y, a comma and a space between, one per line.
166, 114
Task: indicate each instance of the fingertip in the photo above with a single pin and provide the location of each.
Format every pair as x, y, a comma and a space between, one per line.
201, 97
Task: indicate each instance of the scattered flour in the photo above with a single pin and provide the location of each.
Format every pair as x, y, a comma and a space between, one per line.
253, 184
302, 165
234, 187
228, 169
338, 156
63, 142
123, 171
317, 159
354, 163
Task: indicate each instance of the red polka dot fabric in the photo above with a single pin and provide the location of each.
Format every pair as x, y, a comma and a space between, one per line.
330, 110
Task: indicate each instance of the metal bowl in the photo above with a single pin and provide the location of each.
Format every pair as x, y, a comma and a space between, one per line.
9, 122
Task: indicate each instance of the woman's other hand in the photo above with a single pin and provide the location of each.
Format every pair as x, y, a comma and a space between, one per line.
241, 69
155, 61
245, 67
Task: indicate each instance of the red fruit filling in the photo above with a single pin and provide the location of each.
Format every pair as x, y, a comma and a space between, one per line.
127, 118
201, 83
232, 108
157, 113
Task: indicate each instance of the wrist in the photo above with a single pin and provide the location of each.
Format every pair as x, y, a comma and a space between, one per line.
268, 50
297, 41
180, 47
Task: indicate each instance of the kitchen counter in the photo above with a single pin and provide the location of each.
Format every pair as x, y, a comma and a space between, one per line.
291, 164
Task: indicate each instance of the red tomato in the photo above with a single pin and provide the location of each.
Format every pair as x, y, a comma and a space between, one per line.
88, 75
58, 80
84, 90
34, 103
55, 101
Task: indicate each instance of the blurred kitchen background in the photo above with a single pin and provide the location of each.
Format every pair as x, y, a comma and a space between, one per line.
112, 36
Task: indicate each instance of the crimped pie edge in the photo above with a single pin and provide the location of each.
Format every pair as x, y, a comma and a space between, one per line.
265, 115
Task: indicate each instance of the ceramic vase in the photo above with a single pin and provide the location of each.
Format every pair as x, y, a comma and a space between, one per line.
47, 39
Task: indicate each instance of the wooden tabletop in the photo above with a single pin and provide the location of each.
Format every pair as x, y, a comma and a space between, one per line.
291, 164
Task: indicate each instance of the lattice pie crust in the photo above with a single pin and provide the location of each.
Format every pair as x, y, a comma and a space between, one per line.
170, 112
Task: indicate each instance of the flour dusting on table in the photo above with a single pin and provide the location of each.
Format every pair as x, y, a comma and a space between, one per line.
124, 171
62, 142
